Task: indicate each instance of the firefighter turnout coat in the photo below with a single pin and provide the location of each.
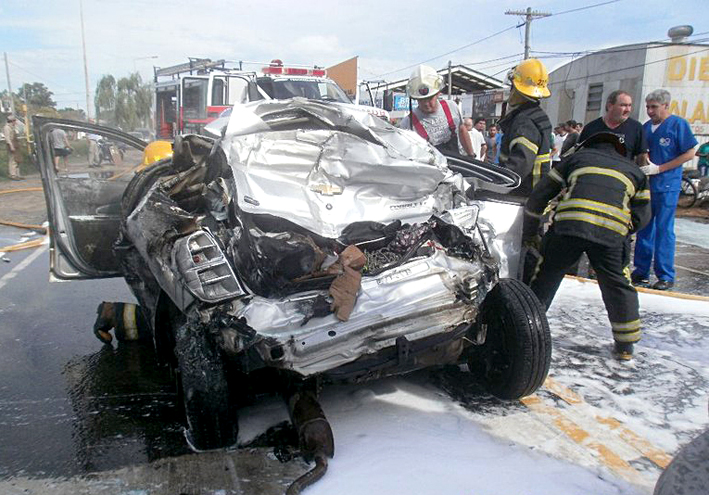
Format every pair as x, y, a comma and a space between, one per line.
604, 199
526, 144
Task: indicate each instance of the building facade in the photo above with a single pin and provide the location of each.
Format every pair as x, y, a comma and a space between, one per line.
580, 88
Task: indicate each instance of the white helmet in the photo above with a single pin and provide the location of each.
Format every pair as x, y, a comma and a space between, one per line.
424, 82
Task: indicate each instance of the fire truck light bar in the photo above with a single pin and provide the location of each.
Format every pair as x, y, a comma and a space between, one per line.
294, 71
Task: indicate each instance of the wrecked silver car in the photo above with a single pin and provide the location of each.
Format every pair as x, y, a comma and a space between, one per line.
310, 242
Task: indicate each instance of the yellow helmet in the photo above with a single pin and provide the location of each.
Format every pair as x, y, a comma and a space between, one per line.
530, 78
155, 151
424, 82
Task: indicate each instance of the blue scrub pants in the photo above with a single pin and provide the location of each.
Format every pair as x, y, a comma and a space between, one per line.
658, 237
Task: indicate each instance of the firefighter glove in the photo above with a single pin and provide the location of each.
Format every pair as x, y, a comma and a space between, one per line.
651, 169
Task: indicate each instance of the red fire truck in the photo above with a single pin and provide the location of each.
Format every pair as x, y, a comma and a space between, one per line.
189, 96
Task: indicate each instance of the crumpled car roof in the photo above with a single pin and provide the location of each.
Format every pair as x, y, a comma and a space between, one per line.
325, 166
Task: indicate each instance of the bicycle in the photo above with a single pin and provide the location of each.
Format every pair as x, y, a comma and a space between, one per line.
688, 189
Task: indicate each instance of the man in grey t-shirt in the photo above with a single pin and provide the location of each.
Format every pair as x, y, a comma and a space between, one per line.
60, 147
437, 121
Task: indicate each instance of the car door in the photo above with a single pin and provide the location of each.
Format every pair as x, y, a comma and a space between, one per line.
83, 186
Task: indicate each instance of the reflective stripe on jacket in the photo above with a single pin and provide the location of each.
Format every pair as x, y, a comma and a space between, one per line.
526, 145
605, 197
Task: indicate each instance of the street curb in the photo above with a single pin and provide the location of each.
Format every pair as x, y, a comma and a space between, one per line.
646, 290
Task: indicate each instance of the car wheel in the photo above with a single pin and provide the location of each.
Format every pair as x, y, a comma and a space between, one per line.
688, 473
211, 420
514, 360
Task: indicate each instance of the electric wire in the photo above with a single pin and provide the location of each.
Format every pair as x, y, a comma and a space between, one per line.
448, 53
583, 8
629, 67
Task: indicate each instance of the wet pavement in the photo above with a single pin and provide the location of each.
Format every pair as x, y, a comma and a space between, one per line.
79, 417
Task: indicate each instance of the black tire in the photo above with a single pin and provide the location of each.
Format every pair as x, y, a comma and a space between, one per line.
688, 473
687, 194
514, 360
211, 420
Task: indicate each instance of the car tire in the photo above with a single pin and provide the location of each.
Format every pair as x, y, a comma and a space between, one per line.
211, 420
688, 473
513, 362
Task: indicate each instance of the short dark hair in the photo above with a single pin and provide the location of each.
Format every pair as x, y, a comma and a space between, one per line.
571, 123
478, 120
613, 97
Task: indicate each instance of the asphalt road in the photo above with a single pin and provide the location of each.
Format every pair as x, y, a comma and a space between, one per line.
79, 417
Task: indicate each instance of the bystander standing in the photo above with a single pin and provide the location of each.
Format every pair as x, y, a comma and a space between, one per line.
572, 136
619, 105
492, 140
671, 144
559, 138
13, 148
703, 163
60, 147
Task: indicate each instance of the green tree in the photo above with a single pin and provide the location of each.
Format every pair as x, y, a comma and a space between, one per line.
105, 99
126, 103
73, 113
36, 94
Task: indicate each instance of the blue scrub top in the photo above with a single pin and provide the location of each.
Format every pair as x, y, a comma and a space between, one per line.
671, 139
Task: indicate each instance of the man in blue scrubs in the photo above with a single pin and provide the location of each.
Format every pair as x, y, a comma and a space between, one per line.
671, 144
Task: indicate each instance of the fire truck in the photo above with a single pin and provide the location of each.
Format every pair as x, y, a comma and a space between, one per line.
189, 96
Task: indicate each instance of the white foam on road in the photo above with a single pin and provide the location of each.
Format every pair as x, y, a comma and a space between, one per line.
692, 232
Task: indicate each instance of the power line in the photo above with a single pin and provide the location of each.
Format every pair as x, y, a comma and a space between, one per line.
616, 50
41, 78
448, 53
583, 8
629, 67
493, 59
529, 16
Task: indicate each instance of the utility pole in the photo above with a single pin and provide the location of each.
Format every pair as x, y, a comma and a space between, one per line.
86, 69
450, 80
529, 17
9, 86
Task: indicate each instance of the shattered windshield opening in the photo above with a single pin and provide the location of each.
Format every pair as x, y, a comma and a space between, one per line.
282, 89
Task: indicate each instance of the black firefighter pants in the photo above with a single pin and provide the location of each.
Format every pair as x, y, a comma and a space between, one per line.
559, 252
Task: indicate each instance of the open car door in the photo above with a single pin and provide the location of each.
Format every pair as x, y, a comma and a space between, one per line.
83, 186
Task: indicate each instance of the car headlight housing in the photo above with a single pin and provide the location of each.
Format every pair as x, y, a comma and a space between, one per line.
204, 268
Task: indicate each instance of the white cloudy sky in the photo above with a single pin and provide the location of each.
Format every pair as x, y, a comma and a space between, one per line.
42, 38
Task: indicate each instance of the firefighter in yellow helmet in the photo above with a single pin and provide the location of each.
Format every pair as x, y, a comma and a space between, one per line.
154, 152
526, 142
437, 121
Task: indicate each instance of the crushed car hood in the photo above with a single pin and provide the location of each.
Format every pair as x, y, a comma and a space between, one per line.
323, 167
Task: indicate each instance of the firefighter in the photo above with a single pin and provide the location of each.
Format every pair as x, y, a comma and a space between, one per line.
154, 152
527, 131
437, 121
128, 320
605, 200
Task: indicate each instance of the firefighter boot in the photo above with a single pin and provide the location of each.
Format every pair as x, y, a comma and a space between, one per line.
126, 320
105, 321
623, 351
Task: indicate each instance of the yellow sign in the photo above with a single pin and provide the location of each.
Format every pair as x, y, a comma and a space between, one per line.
688, 69
699, 112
